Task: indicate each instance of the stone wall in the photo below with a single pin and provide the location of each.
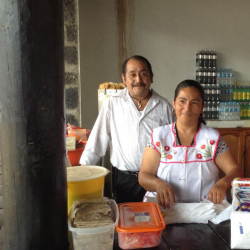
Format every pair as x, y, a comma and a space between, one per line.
71, 54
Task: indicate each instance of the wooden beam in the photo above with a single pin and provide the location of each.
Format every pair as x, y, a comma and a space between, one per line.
33, 125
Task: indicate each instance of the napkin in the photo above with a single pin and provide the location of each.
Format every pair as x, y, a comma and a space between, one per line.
70, 143
195, 212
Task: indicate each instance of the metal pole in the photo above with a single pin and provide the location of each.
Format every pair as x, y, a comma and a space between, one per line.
32, 128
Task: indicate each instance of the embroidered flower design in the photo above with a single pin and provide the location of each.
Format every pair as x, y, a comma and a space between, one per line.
199, 156
205, 149
212, 142
165, 150
169, 157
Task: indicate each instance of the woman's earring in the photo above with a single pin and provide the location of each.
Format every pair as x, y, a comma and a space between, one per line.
174, 114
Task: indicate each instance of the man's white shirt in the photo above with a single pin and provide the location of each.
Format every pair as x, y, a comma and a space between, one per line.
126, 129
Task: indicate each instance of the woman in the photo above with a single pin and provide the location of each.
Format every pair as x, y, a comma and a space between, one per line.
182, 160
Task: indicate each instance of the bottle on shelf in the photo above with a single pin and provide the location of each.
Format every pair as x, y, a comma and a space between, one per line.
201, 59
248, 111
244, 94
240, 94
197, 58
218, 73
210, 59
223, 93
209, 110
248, 93
214, 59
242, 107
222, 111
213, 110
205, 110
235, 93
205, 61
214, 77
217, 109
231, 76
218, 92
246, 106
238, 111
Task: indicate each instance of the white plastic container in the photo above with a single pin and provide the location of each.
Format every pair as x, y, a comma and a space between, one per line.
96, 238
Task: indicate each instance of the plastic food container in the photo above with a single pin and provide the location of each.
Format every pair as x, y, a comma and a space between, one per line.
75, 155
140, 225
96, 238
78, 133
85, 182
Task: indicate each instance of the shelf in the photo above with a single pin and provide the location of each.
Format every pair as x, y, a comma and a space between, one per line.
228, 124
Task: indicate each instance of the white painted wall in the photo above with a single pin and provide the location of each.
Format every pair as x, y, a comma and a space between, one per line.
168, 33
98, 53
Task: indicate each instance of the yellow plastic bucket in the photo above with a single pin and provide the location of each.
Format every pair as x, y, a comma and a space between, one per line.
85, 182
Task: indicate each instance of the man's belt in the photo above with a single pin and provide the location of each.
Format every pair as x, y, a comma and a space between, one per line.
134, 173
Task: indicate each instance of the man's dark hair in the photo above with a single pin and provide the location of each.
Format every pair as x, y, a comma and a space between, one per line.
139, 58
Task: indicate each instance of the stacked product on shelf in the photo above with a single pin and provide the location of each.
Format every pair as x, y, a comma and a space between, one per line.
241, 95
223, 99
228, 109
206, 75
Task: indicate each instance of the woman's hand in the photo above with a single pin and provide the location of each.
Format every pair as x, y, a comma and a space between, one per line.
149, 181
165, 194
217, 192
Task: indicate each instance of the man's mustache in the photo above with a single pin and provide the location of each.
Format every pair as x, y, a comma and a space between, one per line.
141, 84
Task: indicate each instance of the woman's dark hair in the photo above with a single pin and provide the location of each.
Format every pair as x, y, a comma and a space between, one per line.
139, 58
191, 83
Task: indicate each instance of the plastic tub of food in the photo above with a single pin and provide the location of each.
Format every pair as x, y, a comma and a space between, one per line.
140, 225
78, 133
98, 237
85, 182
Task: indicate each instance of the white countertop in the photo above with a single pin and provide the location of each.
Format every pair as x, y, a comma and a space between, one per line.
228, 124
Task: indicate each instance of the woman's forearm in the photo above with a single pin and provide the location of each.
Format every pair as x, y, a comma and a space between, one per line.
233, 173
149, 181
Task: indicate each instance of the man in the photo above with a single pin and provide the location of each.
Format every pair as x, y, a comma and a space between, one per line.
125, 121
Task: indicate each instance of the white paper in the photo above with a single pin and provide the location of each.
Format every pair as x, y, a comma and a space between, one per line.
195, 212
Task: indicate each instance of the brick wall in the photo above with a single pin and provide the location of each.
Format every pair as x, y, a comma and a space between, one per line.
71, 54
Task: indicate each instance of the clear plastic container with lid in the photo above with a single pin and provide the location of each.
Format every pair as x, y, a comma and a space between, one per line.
97, 237
140, 225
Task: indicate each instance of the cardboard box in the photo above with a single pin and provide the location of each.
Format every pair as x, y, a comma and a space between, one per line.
240, 216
